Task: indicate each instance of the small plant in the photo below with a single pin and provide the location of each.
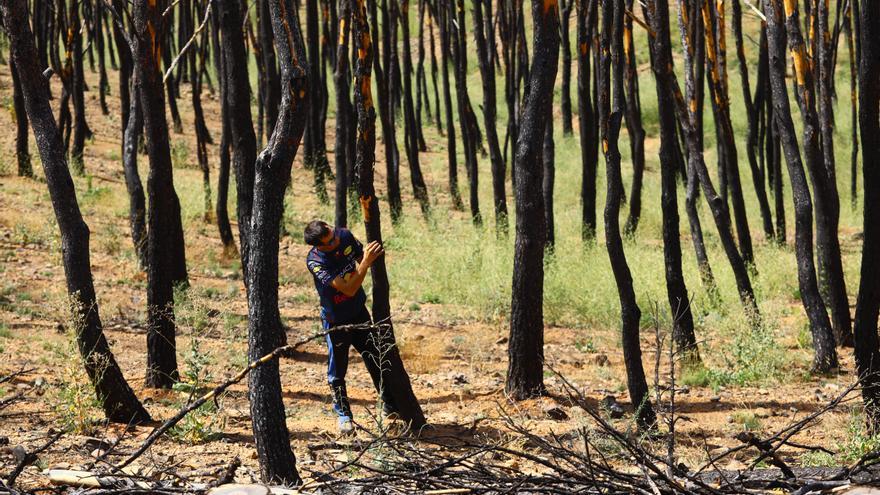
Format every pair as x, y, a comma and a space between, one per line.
179, 154
747, 420
585, 345
4, 331
199, 426
196, 373
858, 441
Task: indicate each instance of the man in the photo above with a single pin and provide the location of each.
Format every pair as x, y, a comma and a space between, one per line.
339, 264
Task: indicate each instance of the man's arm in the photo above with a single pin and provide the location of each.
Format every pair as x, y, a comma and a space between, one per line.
350, 283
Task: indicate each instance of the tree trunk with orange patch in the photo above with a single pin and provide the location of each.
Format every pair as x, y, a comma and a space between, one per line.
393, 378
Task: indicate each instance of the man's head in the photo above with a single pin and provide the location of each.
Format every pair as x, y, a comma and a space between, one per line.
321, 235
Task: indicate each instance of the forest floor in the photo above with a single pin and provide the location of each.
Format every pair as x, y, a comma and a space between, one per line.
457, 365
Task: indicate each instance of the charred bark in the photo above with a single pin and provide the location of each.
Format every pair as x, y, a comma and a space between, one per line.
164, 227
526, 345
117, 399
393, 378
825, 357
237, 98
588, 123
676, 290
609, 124
485, 41
867, 349
272, 171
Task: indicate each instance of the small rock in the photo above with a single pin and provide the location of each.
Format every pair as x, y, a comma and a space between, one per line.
19, 453
459, 379
93, 444
615, 410
601, 360
555, 412
97, 453
684, 390
715, 398
501, 341
4, 440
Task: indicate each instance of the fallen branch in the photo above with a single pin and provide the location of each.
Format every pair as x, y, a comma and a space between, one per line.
284, 350
30, 457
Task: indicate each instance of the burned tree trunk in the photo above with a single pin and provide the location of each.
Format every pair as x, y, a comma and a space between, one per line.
386, 112
393, 374
548, 160
222, 209
485, 41
22, 154
867, 349
466, 117
633, 117
237, 98
752, 117
695, 158
565, 7
410, 138
116, 397
344, 114
525, 349
272, 171
164, 207
676, 290
315, 149
825, 357
832, 285
728, 164
81, 130
203, 137
588, 124
443, 22
609, 125
137, 213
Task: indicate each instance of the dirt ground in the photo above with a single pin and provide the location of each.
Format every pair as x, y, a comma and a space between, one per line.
457, 367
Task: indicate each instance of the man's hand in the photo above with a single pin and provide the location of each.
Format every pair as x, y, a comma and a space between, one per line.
372, 252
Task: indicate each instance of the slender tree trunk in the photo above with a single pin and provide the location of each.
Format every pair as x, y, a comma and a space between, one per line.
633, 116
443, 22
116, 397
676, 290
137, 210
525, 349
164, 207
386, 115
565, 7
609, 124
393, 378
431, 21
853, 96
485, 42
465, 112
103, 84
548, 160
22, 154
586, 16
315, 151
203, 138
420, 191
832, 284
272, 174
867, 349
716, 58
825, 357
81, 130
237, 97
222, 210
344, 114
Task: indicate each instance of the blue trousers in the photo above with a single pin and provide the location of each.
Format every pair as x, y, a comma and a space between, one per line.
338, 343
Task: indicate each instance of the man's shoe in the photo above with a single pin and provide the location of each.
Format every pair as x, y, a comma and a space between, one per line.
345, 425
